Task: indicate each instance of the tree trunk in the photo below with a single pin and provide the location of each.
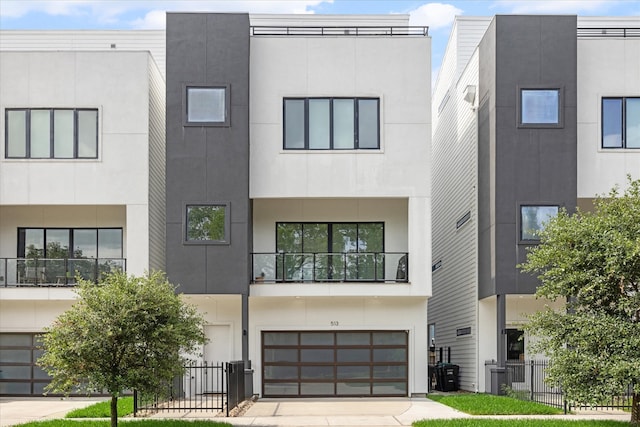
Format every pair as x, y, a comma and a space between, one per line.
114, 410
635, 410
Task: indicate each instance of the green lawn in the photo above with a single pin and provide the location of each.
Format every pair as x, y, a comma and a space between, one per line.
488, 404
138, 423
475, 422
103, 409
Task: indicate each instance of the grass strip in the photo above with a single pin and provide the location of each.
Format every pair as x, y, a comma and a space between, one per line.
488, 404
138, 423
103, 409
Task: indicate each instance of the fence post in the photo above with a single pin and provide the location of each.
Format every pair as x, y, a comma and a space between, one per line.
531, 377
135, 402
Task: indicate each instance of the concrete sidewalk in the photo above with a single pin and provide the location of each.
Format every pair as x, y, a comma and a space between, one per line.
379, 412
19, 410
375, 412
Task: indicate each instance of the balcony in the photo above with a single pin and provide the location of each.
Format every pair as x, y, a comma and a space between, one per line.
16, 272
320, 267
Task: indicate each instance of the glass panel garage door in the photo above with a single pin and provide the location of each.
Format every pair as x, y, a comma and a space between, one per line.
345, 363
19, 375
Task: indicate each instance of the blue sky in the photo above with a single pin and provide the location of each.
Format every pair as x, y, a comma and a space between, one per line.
149, 14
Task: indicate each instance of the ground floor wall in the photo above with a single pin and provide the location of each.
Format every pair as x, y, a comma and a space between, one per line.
329, 316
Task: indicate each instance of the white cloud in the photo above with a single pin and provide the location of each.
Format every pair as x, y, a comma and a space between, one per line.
435, 15
154, 20
114, 11
555, 6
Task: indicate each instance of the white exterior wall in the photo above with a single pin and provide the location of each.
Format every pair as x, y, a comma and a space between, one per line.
394, 69
117, 84
454, 304
335, 314
606, 67
93, 40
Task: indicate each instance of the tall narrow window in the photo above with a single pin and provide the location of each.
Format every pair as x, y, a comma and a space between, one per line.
331, 123
621, 122
46, 133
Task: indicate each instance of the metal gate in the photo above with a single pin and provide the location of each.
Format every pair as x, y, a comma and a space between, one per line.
203, 387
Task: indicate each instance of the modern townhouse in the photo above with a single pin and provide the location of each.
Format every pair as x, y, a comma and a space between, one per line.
81, 176
296, 207
531, 114
299, 196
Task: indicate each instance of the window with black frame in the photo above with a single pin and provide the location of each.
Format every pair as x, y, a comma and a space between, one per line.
621, 122
51, 133
331, 123
330, 251
59, 255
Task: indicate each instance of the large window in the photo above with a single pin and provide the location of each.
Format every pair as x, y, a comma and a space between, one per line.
621, 122
207, 105
46, 133
207, 223
533, 219
331, 123
62, 243
540, 107
59, 255
330, 251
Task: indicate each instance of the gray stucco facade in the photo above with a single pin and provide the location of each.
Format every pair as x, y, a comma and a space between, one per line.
522, 164
208, 164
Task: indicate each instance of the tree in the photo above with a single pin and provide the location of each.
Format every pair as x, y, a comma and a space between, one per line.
591, 261
125, 333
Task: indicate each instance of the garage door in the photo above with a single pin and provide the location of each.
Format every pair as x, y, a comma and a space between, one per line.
328, 363
19, 375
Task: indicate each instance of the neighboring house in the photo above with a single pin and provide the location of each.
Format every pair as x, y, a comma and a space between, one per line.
81, 177
531, 114
296, 207
299, 196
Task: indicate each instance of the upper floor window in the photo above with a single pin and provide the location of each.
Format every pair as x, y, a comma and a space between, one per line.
331, 123
51, 133
207, 223
621, 122
540, 107
62, 243
207, 105
533, 220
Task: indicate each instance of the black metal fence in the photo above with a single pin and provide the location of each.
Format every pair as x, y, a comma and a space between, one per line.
526, 380
203, 387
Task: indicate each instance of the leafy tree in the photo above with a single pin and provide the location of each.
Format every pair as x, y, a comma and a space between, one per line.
591, 260
125, 333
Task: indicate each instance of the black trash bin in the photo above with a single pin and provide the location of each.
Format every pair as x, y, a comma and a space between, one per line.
447, 374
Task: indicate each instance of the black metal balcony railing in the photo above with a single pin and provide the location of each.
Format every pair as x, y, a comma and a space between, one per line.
340, 30
608, 32
281, 267
55, 272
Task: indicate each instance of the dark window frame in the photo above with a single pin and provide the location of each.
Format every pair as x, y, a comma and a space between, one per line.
623, 122
51, 133
330, 231
356, 142
227, 223
185, 104
533, 125
21, 248
520, 238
